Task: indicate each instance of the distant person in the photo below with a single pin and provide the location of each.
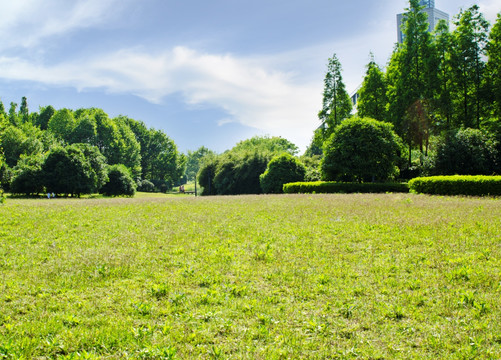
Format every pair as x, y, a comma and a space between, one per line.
48, 195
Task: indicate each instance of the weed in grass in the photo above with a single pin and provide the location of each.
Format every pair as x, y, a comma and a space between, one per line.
142, 308
159, 291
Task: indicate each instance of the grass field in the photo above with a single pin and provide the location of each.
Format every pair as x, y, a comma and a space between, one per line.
392, 276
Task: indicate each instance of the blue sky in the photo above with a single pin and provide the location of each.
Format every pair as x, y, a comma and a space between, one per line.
208, 73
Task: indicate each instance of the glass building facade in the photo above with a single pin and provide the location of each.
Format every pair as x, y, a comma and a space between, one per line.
427, 3
434, 16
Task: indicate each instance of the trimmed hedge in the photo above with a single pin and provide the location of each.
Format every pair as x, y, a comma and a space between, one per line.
457, 185
325, 187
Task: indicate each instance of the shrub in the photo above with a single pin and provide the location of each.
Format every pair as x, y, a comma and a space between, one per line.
457, 185
238, 173
323, 187
361, 150
120, 182
146, 186
281, 169
465, 152
68, 171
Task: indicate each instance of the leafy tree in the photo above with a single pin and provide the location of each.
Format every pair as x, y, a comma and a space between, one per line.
44, 117
129, 150
85, 130
281, 169
13, 118
238, 173
361, 150
494, 69
315, 147
373, 100
2, 111
194, 160
206, 175
97, 162
67, 171
465, 152
62, 124
336, 103
16, 143
120, 182
28, 176
266, 144
468, 51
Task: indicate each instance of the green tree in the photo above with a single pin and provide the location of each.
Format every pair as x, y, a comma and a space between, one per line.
24, 112
85, 130
13, 117
443, 42
238, 173
372, 95
97, 162
336, 103
62, 124
465, 152
361, 150
194, 160
44, 117
16, 143
28, 176
120, 182
206, 175
412, 72
494, 70
281, 169
266, 144
467, 58
67, 171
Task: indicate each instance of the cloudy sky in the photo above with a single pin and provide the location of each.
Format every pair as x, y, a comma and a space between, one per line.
206, 72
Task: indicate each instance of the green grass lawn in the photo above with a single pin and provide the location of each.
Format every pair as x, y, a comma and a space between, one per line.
392, 276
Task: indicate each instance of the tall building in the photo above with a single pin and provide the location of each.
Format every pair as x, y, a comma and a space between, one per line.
434, 16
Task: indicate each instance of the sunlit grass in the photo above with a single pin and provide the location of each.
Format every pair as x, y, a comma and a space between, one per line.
254, 277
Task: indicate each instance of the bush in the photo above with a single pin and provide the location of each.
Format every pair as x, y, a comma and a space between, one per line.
27, 181
281, 169
120, 182
323, 187
465, 152
68, 171
362, 150
238, 173
146, 186
457, 185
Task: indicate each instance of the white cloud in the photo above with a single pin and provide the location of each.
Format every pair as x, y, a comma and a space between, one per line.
25, 23
272, 101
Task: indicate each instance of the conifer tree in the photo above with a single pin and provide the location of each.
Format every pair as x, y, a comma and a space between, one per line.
494, 69
470, 40
372, 95
336, 103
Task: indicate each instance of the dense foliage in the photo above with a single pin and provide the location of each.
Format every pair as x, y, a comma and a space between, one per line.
466, 152
457, 185
237, 171
119, 182
281, 169
330, 187
361, 150
436, 87
67, 152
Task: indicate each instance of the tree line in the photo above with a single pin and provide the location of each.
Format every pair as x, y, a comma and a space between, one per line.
441, 91
74, 152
